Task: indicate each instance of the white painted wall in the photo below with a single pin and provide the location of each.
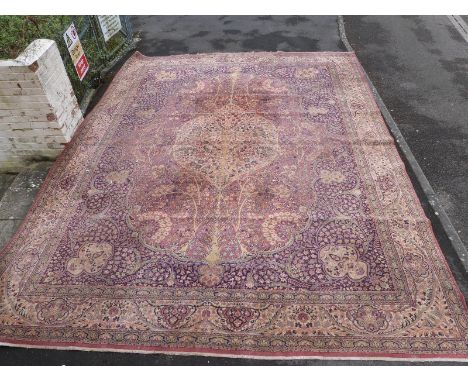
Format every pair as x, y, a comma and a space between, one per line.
38, 109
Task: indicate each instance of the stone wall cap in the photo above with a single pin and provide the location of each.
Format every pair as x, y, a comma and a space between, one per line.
31, 54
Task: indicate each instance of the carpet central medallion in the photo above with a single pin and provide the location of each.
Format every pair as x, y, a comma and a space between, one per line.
240, 204
227, 209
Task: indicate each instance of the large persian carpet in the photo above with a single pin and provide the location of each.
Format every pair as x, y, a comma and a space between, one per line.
235, 204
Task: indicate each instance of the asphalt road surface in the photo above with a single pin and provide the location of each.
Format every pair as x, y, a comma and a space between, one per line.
419, 64
165, 35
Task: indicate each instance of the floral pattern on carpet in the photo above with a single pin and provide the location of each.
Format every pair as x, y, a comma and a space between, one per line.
233, 204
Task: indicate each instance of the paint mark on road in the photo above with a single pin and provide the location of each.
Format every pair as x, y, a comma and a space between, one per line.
460, 25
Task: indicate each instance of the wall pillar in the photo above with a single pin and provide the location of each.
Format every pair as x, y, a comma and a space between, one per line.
38, 109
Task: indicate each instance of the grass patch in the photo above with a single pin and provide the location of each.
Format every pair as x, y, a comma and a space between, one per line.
17, 32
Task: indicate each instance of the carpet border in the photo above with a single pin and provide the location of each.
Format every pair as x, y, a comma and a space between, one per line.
337, 356
439, 213
60, 158
413, 191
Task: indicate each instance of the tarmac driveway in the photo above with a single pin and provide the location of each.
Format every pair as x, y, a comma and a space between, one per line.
165, 35
419, 64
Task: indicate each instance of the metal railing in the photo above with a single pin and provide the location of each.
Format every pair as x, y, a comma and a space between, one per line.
101, 55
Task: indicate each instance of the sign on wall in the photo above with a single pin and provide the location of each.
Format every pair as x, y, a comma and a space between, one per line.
76, 51
110, 25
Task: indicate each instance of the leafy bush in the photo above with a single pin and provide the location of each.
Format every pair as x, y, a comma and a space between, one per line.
17, 32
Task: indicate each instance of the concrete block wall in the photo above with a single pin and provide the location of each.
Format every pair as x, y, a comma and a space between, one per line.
38, 109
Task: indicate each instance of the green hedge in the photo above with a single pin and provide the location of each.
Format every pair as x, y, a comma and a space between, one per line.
17, 32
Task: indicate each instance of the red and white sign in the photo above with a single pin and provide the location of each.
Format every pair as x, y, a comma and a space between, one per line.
82, 66
76, 51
